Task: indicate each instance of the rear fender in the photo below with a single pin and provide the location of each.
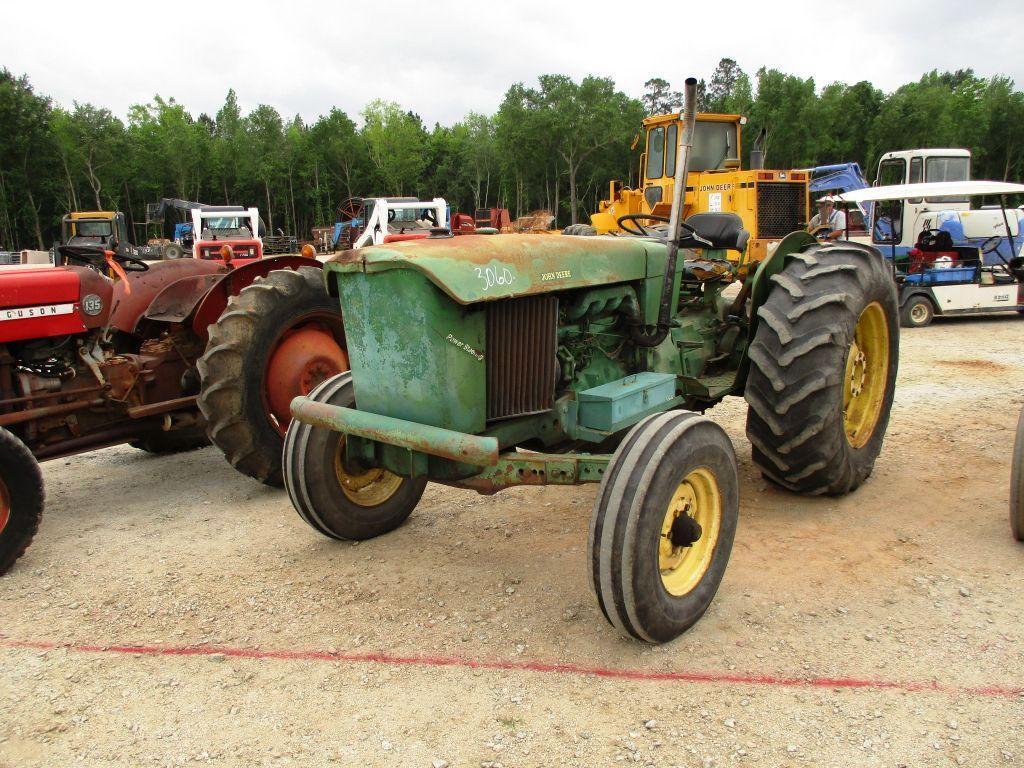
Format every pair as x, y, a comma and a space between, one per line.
133, 297
212, 304
791, 244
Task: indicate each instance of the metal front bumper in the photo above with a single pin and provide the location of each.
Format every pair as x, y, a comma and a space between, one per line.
457, 446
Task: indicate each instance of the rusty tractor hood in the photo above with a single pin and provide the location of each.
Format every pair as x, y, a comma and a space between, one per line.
474, 268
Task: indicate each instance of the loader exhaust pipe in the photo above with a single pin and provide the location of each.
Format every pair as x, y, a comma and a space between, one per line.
645, 336
757, 153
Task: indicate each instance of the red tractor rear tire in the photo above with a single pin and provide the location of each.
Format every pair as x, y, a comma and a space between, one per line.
21, 499
278, 338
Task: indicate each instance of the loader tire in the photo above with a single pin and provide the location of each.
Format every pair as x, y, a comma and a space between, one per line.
278, 338
21, 499
1017, 483
663, 525
339, 504
823, 369
580, 230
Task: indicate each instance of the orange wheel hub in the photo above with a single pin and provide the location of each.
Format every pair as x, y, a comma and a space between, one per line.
305, 357
5, 506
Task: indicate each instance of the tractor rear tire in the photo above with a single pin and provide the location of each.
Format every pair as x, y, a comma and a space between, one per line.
21, 499
175, 441
673, 470
1017, 483
234, 370
917, 312
338, 504
823, 369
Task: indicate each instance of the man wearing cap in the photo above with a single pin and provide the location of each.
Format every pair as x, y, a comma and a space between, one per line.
831, 221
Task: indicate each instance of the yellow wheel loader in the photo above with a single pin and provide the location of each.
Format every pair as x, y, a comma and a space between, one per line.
771, 203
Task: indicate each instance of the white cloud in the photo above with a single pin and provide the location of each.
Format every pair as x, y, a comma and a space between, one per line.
443, 59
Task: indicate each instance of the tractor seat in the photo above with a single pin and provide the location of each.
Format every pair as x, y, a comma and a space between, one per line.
723, 230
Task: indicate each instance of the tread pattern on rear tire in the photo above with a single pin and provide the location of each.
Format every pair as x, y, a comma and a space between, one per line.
231, 398
24, 481
797, 363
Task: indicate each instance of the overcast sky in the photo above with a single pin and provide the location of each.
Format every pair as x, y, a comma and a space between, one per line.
443, 59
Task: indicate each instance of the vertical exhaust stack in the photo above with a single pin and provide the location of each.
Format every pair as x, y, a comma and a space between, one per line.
651, 337
757, 153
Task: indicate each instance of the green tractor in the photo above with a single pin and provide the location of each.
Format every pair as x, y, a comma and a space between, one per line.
486, 362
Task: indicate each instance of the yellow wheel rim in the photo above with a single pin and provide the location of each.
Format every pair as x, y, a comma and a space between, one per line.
367, 489
683, 564
867, 371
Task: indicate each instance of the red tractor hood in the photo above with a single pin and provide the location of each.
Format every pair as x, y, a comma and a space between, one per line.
37, 303
29, 287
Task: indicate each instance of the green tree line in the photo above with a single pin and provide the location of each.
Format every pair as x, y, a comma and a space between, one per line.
551, 145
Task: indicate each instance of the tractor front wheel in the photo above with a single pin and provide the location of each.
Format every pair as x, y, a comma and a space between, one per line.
823, 369
21, 498
336, 499
278, 338
1017, 483
663, 525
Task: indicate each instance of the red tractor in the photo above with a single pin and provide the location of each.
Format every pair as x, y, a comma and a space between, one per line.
163, 355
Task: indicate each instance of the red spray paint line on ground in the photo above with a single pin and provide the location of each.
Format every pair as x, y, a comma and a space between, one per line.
565, 668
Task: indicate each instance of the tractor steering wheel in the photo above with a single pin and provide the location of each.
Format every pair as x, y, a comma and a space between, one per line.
96, 257
630, 220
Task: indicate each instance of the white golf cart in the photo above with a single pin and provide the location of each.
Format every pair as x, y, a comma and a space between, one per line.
936, 277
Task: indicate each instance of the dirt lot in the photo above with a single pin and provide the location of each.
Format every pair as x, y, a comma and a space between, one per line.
172, 611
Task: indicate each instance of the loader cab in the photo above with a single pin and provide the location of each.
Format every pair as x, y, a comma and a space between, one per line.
97, 228
716, 146
899, 221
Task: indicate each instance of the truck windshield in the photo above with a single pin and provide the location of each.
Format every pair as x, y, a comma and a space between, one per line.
947, 169
223, 222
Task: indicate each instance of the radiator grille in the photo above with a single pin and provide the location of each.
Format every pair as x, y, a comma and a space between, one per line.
520, 354
781, 208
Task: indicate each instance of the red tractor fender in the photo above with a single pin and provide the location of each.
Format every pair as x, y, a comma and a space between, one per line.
133, 297
211, 305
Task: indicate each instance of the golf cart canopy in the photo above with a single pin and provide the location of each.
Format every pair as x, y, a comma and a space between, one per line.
930, 190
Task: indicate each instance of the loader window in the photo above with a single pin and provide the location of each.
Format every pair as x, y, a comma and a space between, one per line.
713, 144
92, 229
671, 145
656, 153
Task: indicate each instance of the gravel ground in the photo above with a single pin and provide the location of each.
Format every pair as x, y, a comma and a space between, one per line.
913, 583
